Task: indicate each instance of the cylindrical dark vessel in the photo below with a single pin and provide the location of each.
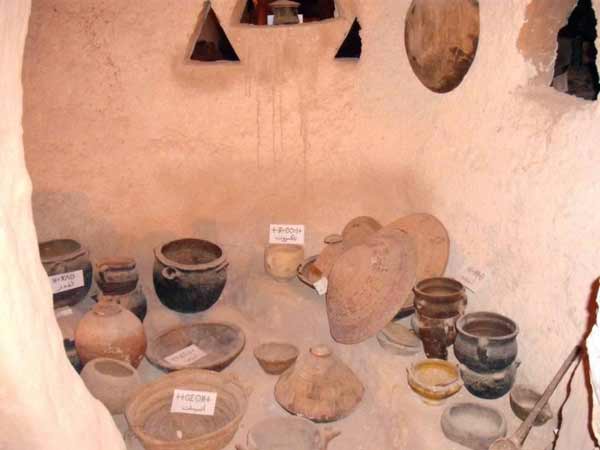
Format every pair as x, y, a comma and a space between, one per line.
490, 385
440, 297
437, 334
189, 274
486, 341
68, 259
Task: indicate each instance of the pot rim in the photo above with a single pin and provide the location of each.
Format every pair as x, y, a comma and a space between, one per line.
217, 263
415, 367
81, 250
461, 292
487, 315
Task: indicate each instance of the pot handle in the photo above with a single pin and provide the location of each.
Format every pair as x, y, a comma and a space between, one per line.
327, 435
170, 273
222, 266
482, 349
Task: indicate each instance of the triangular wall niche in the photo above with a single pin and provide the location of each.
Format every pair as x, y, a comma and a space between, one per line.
209, 42
352, 45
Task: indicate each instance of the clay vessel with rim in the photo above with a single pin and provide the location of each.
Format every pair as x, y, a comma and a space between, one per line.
319, 387
111, 381
440, 298
282, 260
221, 342
473, 425
490, 385
290, 433
189, 274
436, 334
150, 419
110, 331
523, 399
486, 341
134, 301
334, 247
368, 284
434, 379
276, 357
117, 275
60, 256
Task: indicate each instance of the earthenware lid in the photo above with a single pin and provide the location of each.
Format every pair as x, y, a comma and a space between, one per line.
368, 285
319, 387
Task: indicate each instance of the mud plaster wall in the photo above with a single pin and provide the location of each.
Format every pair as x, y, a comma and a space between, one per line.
36, 382
128, 146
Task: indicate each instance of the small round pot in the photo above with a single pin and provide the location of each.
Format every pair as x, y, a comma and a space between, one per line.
486, 342
523, 399
437, 334
134, 301
473, 425
116, 276
434, 379
439, 297
189, 274
111, 381
62, 256
275, 357
282, 260
490, 385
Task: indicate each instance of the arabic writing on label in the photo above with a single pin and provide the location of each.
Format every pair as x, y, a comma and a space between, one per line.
194, 402
286, 234
472, 278
66, 281
186, 356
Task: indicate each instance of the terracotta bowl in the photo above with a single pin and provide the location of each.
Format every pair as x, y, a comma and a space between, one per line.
434, 379
282, 260
523, 399
473, 425
275, 357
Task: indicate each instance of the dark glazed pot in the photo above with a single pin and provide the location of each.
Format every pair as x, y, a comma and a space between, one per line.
486, 342
61, 256
490, 385
437, 334
189, 274
116, 276
440, 297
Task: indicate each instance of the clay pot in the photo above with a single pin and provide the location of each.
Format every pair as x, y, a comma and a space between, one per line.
472, 425
63, 256
282, 260
440, 298
486, 342
490, 385
334, 247
150, 419
523, 399
110, 331
111, 381
319, 387
359, 229
308, 273
434, 379
290, 433
285, 12
437, 334
134, 301
275, 357
116, 276
189, 274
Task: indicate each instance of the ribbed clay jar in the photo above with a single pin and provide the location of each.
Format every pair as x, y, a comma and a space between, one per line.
111, 381
110, 331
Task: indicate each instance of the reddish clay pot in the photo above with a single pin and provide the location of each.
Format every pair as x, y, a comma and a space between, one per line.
440, 297
110, 331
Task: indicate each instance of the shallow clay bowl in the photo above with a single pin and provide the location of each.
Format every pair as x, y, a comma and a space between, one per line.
523, 399
276, 357
434, 379
221, 342
399, 340
473, 425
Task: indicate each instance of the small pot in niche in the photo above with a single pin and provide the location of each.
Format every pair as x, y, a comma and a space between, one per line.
116, 276
285, 12
111, 381
437, 334
189, 274
440, 297
110, 331
282, 260
490, 385
486, 342
67, 257
134, 301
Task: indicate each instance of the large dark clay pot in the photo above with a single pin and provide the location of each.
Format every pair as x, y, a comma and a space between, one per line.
189, 274
440, 297
62, 256
490, 385
486, 342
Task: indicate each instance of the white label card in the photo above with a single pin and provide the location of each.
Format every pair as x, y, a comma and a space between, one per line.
472, 277
321, 286
194, 402
286, 234
186, 356
63, 312
66, 281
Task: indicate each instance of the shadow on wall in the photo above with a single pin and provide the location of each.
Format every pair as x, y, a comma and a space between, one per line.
592, 309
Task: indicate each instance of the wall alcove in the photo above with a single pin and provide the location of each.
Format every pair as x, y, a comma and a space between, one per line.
352, 45
255, 12
209, 42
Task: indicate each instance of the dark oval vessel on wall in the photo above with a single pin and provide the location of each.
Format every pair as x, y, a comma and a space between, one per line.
189, 274
63, 256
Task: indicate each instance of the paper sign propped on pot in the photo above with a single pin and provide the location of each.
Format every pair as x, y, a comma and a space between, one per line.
321, 286
186, 356
66, 281
286, 234
194, 402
